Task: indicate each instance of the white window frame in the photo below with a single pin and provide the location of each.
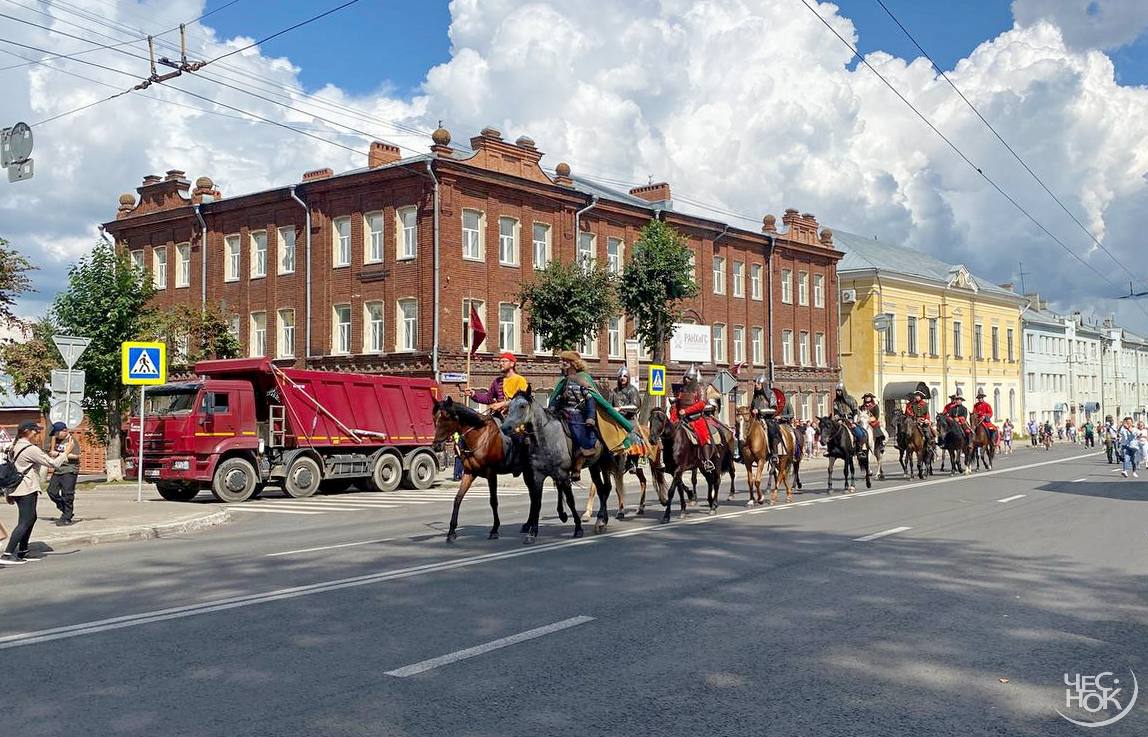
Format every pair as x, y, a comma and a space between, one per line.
137, 257
541, 249
787, 286
803, 347
536, 338
615, 337
341, 332
787, 347
480, 308
589, 347
911, 335
406, 232
718, 332
755, 272
406, 326
374, 238
819, 290
285, 333
508, 243
819, 350
803, 288
182, 265
340, 244
719, 275
737, 336
737, 276
587, 253
257, 345
473, 239
615, 255
258, 255
285, 251
757, 345
374, 327
693, 267
232, 257
508, 330
159, 267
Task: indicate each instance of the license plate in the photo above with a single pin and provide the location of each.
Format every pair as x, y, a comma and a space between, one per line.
151, 473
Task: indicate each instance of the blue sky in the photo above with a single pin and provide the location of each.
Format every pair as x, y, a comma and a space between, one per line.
411, 35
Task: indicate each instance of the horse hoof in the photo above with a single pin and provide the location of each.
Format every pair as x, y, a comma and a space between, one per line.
868, 484
492, 536
665, 519
713, 510
525, 528
620, 515
529, 539
451, 536
599, 527
578, 533
585, 517
641, 511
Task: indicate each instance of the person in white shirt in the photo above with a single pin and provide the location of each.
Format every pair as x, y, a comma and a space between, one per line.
30, 460
1142, 443
1128, 443
810, 436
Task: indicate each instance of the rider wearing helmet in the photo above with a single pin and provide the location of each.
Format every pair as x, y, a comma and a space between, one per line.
845, 408
764, 408
690, 405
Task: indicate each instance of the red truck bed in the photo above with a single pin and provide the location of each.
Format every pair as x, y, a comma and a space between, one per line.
377, 409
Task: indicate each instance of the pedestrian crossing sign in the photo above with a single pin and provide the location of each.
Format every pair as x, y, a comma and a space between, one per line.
657, 381
143, 363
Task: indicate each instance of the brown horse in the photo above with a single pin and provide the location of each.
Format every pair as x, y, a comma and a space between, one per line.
914, 446
652, 433
754, 454
486, 452
982, 449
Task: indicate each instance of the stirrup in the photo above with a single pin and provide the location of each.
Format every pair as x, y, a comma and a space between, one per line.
708, 466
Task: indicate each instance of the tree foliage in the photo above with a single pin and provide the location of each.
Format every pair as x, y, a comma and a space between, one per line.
654, 284
107, 301
205, 333
30, 361
14, 281
566, 303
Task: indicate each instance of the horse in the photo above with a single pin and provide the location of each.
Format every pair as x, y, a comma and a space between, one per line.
552, 456
914, 445
982, 449
654, 432
486, 452
623, 466
754, 453
680, 453
873, 453
839, 444
951, 437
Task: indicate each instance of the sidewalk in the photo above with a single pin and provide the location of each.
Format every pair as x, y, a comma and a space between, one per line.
107, 514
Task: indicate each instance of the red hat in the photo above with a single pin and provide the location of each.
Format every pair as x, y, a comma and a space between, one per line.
509, 357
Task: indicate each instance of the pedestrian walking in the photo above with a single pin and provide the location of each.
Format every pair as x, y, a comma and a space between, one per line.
810, 439
1032, 431
1089, 435
1142, 443
1108, 437
28, 459
1128, 444
62, 487
1007, 430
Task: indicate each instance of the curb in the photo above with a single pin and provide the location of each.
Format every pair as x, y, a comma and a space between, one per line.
142, 532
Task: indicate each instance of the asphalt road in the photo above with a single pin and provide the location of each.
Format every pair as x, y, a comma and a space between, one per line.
950, 606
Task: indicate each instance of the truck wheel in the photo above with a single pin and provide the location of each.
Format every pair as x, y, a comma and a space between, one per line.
175, 492
234, 481
421, 474
387, 473
303, 477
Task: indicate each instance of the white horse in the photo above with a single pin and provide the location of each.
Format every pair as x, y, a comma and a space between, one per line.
876, 454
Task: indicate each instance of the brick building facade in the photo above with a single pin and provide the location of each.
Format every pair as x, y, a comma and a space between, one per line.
360, 292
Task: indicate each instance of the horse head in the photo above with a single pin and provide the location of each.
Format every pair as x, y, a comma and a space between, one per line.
445, 422
659, 422
519, 413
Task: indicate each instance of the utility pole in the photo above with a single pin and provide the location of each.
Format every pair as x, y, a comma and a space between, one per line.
1021, 274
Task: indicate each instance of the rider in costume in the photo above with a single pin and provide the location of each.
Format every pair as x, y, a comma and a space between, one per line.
869, 404
845, 408
573, 399
508, 383
690, 405
627, 400
959, 412
918, 408
985, 410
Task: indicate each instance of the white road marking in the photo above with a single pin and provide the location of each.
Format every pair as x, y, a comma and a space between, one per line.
470, 652
339, 505
260, 508
330, 547
883, 533
1013, 498
1077, 481
208, 607
309, 506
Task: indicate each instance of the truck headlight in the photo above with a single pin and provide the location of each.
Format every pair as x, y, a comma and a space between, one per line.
180, 465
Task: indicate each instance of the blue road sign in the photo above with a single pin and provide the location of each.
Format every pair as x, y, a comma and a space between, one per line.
657, 381
143, 363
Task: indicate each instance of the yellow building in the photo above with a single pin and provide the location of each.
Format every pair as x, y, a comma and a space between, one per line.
907, 318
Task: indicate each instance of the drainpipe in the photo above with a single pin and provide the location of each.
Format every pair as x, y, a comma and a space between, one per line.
437, 287
202, 256
944, 343
307, 246
578, 221
769, 296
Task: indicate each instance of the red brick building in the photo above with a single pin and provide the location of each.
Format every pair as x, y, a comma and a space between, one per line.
375, 269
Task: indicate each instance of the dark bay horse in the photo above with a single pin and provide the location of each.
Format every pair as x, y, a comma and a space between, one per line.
951, 438
839, 444
914, 446
486, 453
551, 456
681, 454
983, 449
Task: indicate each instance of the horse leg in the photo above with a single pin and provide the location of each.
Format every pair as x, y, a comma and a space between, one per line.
713, 486
620, 487
693, 494
492, 483
642, 486
589, 500
463, 487
675, 482
564, 489
534, 486
603, 498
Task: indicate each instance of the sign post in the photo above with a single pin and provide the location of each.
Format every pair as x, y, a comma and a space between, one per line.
142, 364
69, 412
633, 348
657, 386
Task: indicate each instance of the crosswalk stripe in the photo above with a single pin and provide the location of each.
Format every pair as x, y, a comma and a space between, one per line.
260, 508
352, 505
312, 506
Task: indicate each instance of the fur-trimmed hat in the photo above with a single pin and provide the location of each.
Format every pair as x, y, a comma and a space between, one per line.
573, 358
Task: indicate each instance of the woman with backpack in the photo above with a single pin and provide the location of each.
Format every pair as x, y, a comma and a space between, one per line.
27, 458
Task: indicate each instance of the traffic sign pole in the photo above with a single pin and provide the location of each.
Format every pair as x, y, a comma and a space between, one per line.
139, 466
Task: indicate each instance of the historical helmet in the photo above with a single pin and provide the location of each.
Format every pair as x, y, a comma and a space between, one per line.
760, 379
694, 374
840, 386
980, 395
623, 372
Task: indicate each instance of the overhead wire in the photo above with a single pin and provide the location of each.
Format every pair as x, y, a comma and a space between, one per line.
278, 33
1003, 142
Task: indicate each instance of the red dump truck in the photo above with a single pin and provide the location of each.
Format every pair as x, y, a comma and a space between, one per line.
242, 424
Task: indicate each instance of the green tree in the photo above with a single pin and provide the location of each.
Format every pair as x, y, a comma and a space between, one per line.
30, 361
14, 281
654, 284
107, 301
566, 303
206, 331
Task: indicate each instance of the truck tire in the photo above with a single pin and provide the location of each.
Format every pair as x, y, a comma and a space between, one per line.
234, 481
422, 472
303, 477
177, 492
387, 473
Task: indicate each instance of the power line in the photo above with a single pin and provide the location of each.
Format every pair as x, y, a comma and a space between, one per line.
300, 24
953, 146
1005, 143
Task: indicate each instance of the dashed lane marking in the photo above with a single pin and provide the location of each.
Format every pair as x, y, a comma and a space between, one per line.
1012, 498
883, 533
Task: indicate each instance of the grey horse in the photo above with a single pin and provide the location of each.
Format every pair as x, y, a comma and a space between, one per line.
551, 453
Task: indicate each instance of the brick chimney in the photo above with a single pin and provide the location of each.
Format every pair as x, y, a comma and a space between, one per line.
657, 192
382, 154
314, 174
162, 194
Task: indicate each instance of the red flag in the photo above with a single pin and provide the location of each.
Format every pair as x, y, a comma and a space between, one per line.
477, 331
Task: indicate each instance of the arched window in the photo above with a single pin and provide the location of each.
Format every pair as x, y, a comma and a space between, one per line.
997, 400
933, 405
1011, 403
